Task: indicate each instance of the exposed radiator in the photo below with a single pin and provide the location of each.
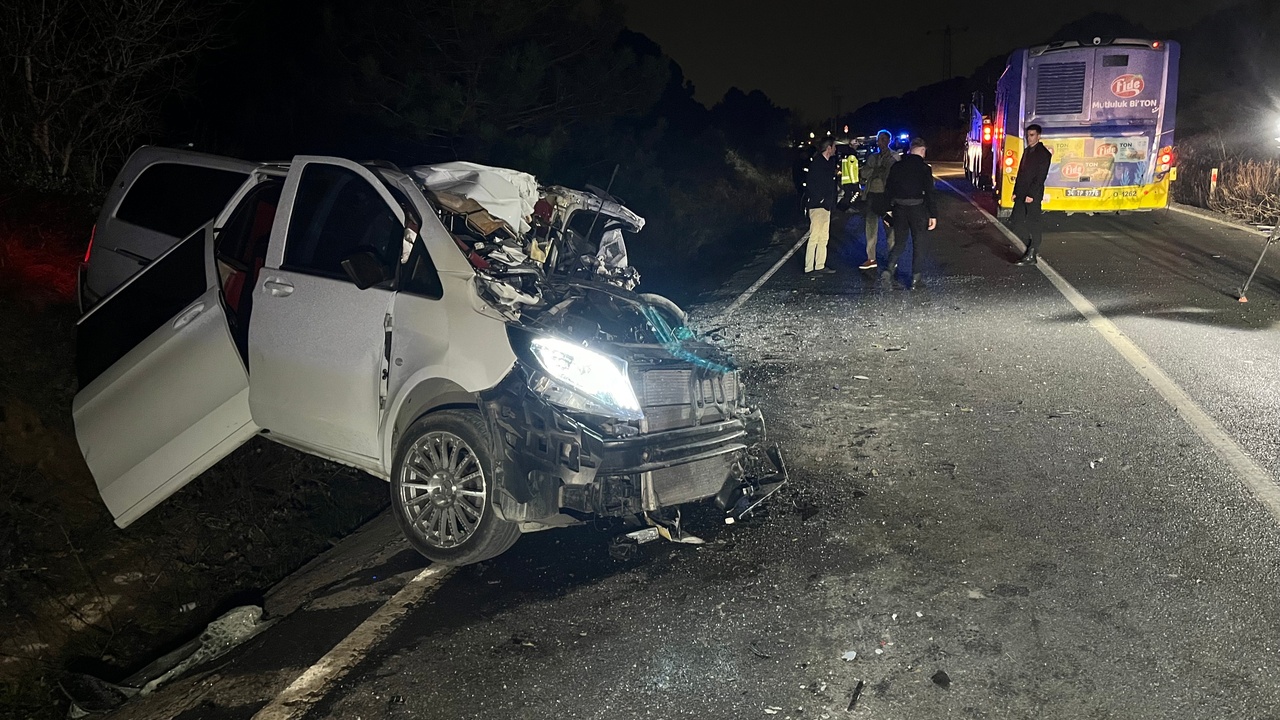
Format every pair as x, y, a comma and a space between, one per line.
686, 483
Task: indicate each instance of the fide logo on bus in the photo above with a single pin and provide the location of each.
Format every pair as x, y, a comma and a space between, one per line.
1127, 86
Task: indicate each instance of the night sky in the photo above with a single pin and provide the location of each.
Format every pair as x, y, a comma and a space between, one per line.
803, 53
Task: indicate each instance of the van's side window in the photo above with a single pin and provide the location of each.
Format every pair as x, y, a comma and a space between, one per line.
337, 213
153, 298
419, 276
175, 199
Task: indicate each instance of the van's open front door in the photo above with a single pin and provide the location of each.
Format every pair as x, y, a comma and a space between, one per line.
163, 391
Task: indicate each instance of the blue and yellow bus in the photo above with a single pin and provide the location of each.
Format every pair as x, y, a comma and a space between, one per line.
1107, 108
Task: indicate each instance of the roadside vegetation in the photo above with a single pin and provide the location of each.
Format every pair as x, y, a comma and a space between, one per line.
1229, 113
1248, 187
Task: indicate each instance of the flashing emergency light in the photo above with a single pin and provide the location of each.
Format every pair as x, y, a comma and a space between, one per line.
904, 136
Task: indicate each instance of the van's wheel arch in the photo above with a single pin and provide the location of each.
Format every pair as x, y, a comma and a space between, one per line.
442, 489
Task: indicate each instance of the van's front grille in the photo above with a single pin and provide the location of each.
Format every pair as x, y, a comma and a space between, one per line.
1060, 88
684, 397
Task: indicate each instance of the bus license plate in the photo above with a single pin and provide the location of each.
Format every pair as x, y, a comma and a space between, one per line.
1083, 192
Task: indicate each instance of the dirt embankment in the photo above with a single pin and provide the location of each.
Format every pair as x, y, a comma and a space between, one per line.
76, 592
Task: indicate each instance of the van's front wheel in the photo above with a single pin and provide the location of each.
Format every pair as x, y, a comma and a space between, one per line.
442, 490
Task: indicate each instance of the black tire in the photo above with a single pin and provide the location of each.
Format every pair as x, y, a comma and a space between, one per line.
441, 480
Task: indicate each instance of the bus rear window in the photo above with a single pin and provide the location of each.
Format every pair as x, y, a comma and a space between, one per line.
1115, 61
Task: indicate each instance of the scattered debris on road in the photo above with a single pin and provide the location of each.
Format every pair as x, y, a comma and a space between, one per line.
941, 679
857, 692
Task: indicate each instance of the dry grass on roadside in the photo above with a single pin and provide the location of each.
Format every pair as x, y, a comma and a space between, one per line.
1248, 186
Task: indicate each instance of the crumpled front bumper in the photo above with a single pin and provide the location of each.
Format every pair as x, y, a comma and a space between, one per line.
553, 463
680, 466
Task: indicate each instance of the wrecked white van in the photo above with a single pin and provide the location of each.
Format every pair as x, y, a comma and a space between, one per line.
458, 330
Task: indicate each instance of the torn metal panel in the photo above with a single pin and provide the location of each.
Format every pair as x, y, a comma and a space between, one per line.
507, 195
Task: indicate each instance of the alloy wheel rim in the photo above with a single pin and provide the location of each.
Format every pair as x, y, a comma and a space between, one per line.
443, 489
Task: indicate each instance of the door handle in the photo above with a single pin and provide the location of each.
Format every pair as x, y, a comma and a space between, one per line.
188, 315
277, 287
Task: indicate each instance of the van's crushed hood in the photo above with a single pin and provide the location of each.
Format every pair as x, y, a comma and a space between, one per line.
526, 241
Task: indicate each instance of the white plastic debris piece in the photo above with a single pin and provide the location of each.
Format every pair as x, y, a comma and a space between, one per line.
849, 655
895, 617
772, 710
728, 521
236, 626
644, 535
879, 651
919, 614
861, 377
976, 594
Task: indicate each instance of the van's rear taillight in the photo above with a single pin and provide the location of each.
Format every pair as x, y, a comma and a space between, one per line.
88, 250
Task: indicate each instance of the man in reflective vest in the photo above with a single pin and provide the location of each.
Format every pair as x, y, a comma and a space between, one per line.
848, 177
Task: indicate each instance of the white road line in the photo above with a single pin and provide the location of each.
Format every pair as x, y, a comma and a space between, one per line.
746, 294
311, 686
1255, 479
1210, 218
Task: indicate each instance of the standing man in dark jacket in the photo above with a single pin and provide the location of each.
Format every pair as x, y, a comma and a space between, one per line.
1028, 191
910, 191
821, 180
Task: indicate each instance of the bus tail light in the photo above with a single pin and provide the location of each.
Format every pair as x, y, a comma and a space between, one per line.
1008, 161
986, 133
1165, 161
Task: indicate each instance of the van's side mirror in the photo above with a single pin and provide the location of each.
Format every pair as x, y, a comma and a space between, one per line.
366, 269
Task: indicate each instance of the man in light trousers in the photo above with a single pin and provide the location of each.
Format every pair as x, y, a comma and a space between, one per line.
876, 172
821, 185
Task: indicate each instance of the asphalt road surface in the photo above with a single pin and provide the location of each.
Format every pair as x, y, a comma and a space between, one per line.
992, 514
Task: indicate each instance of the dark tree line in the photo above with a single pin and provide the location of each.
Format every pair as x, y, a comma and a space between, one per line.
559, 88
80, 78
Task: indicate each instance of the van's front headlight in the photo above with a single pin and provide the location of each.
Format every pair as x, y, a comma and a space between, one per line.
582, 379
